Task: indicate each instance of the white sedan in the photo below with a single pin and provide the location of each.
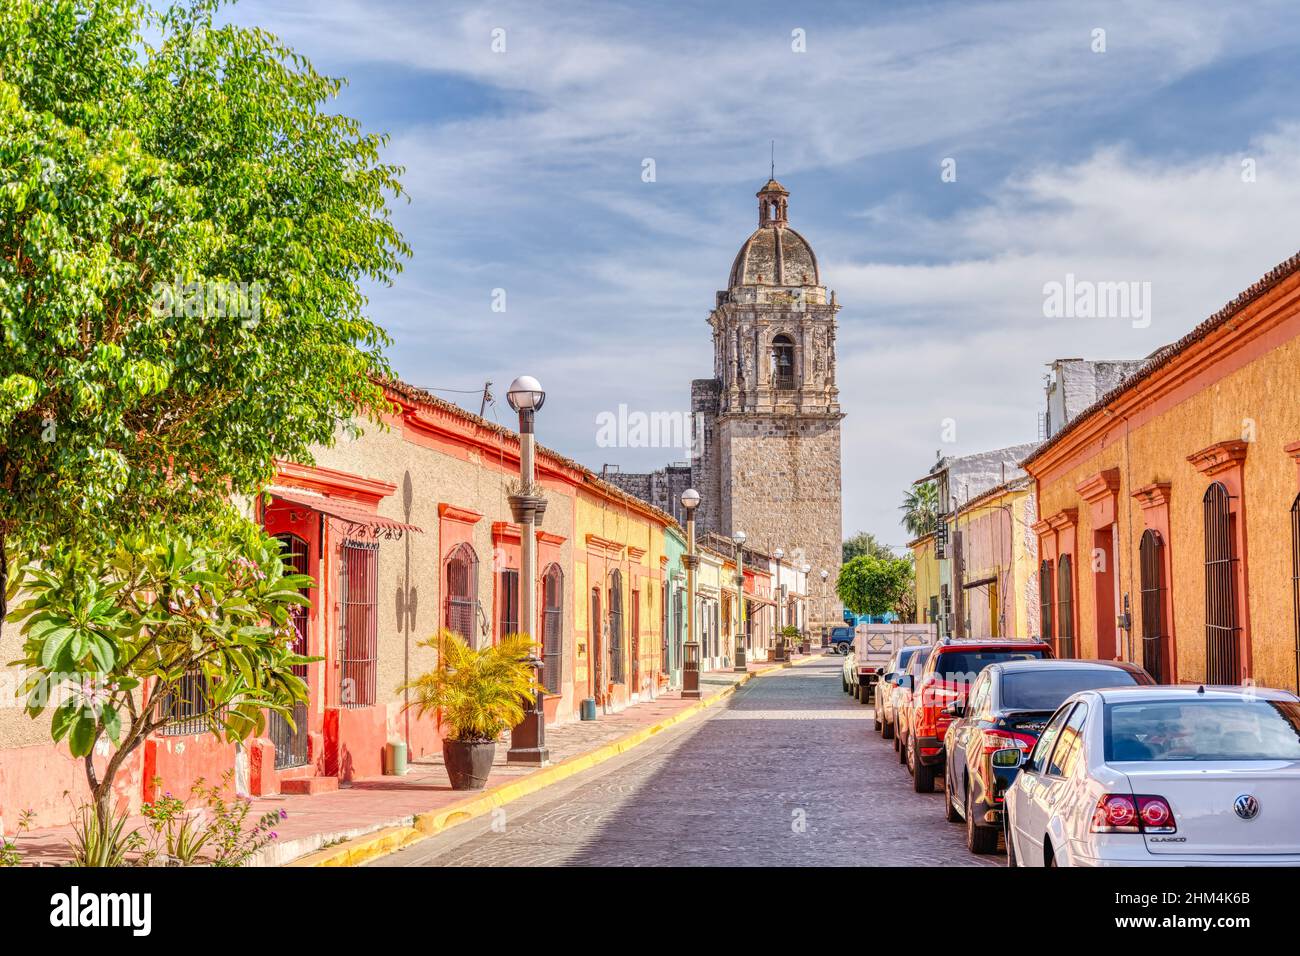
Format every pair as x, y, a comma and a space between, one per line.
1160, 776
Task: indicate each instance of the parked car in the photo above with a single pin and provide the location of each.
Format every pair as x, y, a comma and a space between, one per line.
902, 697
1160, 776
887, 687
841, 639
1008, 707
948, 675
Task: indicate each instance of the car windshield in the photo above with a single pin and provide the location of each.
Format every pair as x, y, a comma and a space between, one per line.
904, 656
962, 667
1203, 730
1045, 689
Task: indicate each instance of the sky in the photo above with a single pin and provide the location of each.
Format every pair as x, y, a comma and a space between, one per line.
1091, 142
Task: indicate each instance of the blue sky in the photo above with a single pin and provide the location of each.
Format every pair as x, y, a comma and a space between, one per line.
524, 169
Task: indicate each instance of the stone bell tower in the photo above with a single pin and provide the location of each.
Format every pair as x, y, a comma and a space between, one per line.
770, 455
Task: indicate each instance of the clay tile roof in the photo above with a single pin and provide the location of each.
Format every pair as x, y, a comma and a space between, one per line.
421, 397
1169, 353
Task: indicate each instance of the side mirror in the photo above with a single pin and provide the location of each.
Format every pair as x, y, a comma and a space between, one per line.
1012, 757
880, 672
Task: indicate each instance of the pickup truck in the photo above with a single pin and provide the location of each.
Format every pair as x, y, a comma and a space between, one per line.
874, 645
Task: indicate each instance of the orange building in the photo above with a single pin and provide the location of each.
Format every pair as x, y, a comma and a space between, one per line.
1170, 519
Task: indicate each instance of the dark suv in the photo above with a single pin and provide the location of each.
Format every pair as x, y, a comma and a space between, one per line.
1008, 706
949, 673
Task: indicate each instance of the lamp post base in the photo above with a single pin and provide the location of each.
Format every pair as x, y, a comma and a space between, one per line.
741, 665
528, 739
778, 652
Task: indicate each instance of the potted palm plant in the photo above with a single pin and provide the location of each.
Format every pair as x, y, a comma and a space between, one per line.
481, 694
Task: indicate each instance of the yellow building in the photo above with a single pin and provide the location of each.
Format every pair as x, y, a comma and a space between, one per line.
618, 568
997, 549
927, 579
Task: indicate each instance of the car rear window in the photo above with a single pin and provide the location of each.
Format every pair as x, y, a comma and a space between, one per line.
1047, 689
964, 666
842, 633
1203, 730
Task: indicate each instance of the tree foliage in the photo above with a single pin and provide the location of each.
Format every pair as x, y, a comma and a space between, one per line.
864, 542
111, 639
920, 509
144, 153
874, 585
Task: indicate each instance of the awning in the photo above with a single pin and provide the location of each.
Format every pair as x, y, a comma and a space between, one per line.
357, 521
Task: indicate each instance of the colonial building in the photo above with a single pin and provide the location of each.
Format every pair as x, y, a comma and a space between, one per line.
961, 482
1170, 521
769, 454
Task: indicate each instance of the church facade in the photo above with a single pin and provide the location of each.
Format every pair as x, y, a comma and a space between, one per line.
768, 459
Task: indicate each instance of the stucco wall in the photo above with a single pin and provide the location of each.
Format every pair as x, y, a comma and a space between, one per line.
1257, 402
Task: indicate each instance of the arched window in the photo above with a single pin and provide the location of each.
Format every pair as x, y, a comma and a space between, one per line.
616, 627
291, 742
460, 607
1065, 608
1151, 556
1045, 600
553, 628
1221, 624
782, 362
1295, 579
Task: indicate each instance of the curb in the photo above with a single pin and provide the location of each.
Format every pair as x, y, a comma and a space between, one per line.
424, 825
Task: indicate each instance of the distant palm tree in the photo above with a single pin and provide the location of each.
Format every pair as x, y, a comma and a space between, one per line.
920, 509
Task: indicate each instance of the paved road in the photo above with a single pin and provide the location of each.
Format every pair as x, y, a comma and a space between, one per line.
787, 772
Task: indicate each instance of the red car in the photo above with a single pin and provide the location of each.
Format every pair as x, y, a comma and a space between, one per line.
947, 678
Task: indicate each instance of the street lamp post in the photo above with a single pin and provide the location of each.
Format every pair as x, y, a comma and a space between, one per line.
690, 650
742, 665
822, 612
803, 631
528, 738
778, 651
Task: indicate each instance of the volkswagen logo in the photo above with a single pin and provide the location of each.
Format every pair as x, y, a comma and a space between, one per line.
1246, 806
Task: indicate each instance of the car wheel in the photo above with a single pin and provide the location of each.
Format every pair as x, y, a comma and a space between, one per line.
979, 839
949, 810
876, 725
902, 750
922, 776
887, 730
865, 693
844, 685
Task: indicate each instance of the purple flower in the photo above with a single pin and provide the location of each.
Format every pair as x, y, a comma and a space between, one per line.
274, 835
284, 814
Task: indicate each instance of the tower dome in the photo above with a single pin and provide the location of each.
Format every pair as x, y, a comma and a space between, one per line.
774, 255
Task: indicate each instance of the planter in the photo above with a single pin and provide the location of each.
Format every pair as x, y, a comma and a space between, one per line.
468, 762
805, 647
550, 707
526, 507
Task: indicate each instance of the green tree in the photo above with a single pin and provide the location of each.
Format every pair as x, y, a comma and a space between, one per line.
185, 235
864, 542
113, 639
874, 585
920, 509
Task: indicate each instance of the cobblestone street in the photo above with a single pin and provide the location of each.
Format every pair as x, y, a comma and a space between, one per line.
788, 772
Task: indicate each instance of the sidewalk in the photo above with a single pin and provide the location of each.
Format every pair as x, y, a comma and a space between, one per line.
325, 829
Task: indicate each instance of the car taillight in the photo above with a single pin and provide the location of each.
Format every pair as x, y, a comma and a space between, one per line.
1006, 741
1157, 816
1121, 813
